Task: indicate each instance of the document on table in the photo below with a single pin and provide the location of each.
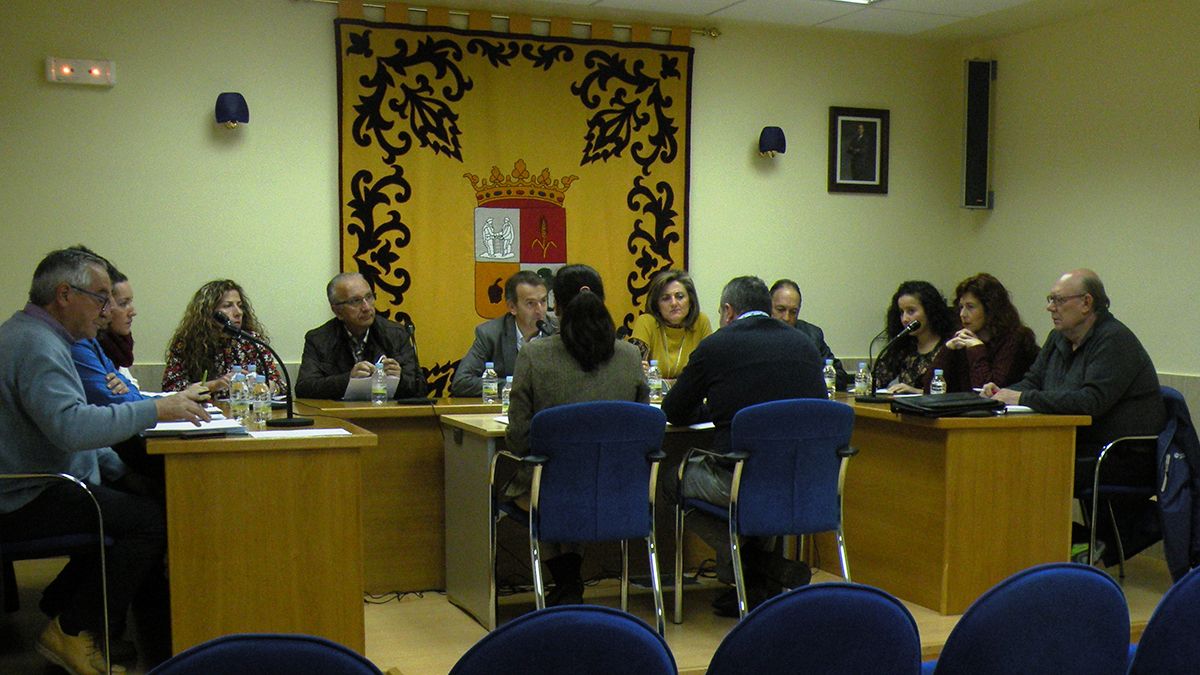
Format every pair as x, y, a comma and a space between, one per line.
1017, 409
213, 428
359, 388
307, 432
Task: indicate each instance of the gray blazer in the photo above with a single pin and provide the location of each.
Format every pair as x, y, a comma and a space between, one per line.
495, 341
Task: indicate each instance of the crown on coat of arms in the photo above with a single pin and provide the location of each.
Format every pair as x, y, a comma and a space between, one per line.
520, 184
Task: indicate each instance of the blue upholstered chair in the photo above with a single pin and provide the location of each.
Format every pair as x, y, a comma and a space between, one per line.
832, 628
576, 639
1169, 645
54, 547
267, 654
1059, 618
790, 461
595, 472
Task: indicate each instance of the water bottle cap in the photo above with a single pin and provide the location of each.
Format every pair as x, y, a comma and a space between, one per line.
262, 379
829, 362
937, 371
489, 364
862, 364
508, 379
654, 362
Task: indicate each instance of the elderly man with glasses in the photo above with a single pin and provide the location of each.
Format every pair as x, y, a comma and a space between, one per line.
1092, 364
354, 343
49, 428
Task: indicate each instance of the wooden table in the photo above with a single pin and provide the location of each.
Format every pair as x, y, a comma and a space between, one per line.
939, 510
264, 535
402, 488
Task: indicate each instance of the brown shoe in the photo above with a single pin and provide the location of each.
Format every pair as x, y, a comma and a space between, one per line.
77, 654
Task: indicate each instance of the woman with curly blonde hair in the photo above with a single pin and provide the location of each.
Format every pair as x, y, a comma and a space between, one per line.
199, 346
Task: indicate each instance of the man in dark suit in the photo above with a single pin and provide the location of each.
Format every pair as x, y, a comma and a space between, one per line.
353, 342
785, 306
752, 359
499, 339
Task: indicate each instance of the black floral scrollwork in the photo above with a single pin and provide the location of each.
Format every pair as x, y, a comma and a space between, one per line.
651, 247
378, 243
401, 95
635, 106
501, 53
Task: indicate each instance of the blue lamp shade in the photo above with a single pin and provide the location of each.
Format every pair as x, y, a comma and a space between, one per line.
771, 141
232, 109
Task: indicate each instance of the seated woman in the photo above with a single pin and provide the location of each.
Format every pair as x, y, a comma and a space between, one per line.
199, 346
993, 345
117, 339
673, 324
584, 361
902, 369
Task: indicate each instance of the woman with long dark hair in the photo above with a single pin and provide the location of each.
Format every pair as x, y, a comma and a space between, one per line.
584, 361
199, 346
902, 369
993, 345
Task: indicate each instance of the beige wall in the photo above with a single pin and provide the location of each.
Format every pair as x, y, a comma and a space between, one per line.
1096, 162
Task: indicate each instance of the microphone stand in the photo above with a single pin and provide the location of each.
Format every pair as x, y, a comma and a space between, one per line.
291, 420
904, 331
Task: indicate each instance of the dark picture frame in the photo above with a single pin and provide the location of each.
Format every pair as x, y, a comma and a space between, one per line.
858, 150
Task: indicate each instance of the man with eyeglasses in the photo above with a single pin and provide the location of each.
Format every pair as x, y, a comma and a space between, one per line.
354, 342
499, 339
50, 428
1092, 364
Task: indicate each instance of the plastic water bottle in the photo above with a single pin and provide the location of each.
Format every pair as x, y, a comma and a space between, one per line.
239, 397
251, 373
830, 374
862, 380
491, 383
505, 395
228, 393
654, 380
938, 384
378, 386
260, 400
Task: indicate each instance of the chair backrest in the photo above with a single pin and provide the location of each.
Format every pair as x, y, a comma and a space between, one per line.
1169, 643
267, 654
1054, 618
595, 484
576, 639
829, 628
790, 481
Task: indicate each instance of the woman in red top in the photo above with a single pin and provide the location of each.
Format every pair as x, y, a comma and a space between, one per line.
992, 346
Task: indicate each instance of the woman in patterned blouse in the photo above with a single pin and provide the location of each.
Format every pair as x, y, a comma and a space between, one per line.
199, 346
901, 370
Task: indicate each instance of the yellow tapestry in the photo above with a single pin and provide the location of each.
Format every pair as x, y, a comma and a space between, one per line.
468, 155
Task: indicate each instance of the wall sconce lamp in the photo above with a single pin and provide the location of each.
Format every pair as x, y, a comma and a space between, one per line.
232, 109
771, 141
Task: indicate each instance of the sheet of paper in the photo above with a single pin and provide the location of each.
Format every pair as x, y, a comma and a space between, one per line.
298, 433
502, 419
359, 388
1017, 409
187, 428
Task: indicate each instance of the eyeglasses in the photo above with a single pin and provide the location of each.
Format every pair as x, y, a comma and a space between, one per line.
1058, 300
104, 300
369, 298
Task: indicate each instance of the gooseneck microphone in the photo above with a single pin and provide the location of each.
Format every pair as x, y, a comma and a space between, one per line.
903, 331
291, 420
541, 327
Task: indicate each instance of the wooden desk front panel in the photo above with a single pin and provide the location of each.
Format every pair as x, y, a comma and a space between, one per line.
265, 542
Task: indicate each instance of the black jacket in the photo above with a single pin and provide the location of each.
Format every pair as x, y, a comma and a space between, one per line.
752, 360
325, 366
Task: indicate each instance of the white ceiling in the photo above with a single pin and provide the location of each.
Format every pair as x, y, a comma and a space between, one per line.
935, 19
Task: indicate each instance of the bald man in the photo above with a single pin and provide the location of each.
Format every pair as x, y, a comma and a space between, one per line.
1092, 364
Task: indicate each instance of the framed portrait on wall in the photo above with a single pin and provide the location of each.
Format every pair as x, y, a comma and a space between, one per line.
858, 150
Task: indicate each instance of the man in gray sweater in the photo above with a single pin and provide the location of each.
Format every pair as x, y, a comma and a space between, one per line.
48, 427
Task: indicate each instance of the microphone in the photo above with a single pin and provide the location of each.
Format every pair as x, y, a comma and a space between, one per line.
291, 420
903, 331
541, 327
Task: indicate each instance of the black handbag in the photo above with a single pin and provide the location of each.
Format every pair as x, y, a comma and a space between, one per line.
958, 404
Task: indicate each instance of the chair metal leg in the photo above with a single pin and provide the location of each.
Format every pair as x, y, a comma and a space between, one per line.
656, 581
841, 542
739, 580
679, 517
535, 559
624, 575
492, 599
1112, 518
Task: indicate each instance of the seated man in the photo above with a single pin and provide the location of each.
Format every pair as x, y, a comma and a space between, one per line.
751, 359
1092, 364
49, 427
500, 339
785, 306
350, 344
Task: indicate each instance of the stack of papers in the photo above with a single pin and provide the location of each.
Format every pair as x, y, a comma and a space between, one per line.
215, 427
